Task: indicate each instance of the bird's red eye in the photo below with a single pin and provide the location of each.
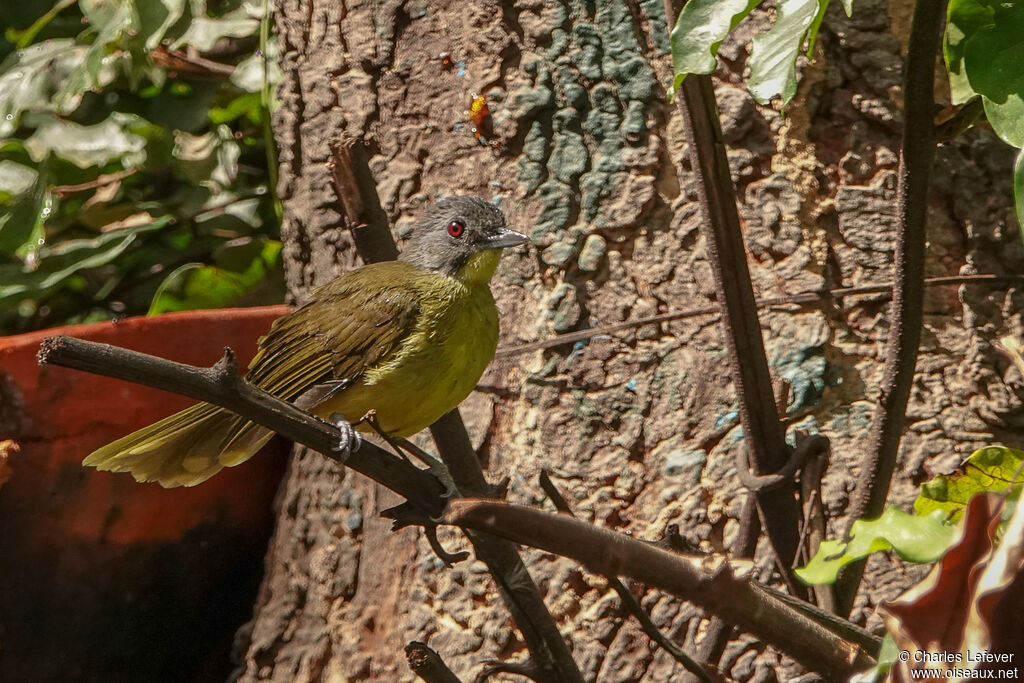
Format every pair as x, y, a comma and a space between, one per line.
455, 229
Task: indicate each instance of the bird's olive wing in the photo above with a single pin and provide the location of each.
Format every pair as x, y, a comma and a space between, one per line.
349, 325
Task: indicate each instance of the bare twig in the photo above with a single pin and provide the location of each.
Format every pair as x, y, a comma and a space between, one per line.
525, 668
906, 312
813, 531
628, 600
817, 299
100, 181
361, 209
714, 583
428, 665
522, 596
962, 118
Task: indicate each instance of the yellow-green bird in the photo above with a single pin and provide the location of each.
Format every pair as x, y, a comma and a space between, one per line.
408, 339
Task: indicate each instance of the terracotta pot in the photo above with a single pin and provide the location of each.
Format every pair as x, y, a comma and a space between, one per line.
103, 578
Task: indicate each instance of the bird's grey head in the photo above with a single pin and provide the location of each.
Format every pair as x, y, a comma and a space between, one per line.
461, 237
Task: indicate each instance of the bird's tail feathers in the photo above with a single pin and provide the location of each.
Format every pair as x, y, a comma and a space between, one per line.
184, 449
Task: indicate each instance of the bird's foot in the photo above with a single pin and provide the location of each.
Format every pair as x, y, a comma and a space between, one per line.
349, 440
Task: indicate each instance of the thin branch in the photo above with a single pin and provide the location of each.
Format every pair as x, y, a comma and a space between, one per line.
906, 313
762, 429
99, 181
818, 299
629, 601
713, 583
428, 665
222, 385
360, 205
506, 566
962, 118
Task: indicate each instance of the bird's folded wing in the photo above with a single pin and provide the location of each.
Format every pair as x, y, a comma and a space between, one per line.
350, 325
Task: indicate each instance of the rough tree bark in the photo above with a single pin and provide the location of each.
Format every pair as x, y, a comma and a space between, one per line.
639, 427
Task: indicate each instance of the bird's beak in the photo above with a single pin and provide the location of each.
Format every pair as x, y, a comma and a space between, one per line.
505, 238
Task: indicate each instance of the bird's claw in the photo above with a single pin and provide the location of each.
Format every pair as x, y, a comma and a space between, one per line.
349, 439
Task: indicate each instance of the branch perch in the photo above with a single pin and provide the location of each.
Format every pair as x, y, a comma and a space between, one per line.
712, 583
222, 385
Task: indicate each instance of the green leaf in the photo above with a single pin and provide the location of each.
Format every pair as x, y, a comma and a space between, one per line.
993, 60
242, 267
252, 73
1007, 118
1018, 188
204, 32
700, 30
15, 180
887, 655
24, 208
963, 21
56, 265
984, 48
988, 469
116, 23
774, 52
31, 78
87, 146
156, 17
210, 160
248, 105
915, 538
23, 39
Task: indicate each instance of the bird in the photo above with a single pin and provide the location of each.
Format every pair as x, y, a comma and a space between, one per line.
408, 339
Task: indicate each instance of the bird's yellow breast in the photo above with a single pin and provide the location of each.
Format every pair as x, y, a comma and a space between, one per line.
434, 368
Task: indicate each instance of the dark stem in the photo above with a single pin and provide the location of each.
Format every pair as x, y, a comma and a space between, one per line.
428, 665
906, 312
628, 600
762, 429
360, 205
506, 566
713, 583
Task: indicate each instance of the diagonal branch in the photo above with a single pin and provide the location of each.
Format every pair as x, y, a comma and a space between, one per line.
628, 600
818, 299
713, 583
762, 429
907, 315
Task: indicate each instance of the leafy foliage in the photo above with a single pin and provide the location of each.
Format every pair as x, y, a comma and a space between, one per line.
993, 469
969, 602
924, 536
919, 539
134, 160
984, 48
703, 25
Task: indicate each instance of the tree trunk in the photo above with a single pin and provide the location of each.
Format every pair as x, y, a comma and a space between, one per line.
585, 153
